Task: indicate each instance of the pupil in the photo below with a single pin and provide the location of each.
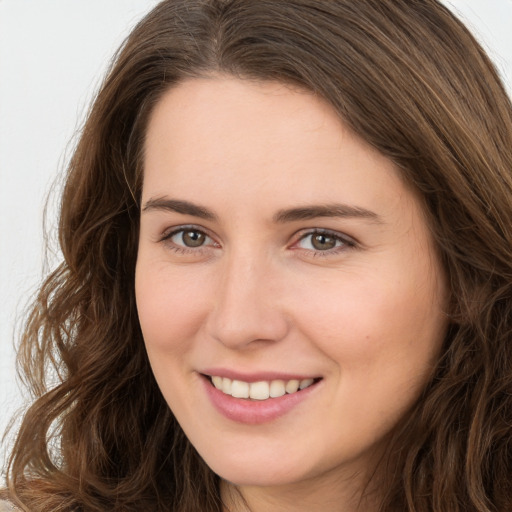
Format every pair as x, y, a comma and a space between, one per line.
193, 238
323, 242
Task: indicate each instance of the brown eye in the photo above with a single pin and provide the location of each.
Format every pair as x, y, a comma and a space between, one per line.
320, 241
191, 238
323, 242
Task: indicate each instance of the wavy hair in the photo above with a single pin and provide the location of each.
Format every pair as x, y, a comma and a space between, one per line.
407, 77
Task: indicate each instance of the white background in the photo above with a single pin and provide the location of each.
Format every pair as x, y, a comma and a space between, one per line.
52, 56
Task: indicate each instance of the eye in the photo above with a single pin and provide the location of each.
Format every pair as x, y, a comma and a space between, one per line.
324, 241
187, 238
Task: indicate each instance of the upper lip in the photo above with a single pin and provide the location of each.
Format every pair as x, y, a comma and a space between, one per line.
255, 376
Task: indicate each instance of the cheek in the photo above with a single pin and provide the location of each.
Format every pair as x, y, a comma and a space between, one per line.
383, 338
373, 323
170, 309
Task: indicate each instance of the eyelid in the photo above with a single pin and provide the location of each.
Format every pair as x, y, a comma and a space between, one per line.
172, 230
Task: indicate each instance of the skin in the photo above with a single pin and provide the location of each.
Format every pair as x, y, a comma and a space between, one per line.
365, 314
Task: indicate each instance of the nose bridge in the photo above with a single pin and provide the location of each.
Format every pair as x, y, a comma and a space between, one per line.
247, 306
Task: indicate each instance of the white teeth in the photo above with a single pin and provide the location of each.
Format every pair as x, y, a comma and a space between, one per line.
292, 386
261, 390
305, 383
217, 382
277, 388
226, 385
240, 389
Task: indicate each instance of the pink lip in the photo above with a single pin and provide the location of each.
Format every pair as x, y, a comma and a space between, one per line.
254, 412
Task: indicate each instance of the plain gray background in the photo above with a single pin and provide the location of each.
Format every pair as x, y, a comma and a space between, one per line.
53, 54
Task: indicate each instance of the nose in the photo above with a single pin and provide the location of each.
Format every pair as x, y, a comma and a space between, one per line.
248, 308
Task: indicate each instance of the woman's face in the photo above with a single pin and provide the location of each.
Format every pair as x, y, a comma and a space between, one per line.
276, 247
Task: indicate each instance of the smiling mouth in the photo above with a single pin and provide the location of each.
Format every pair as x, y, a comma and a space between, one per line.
262, 390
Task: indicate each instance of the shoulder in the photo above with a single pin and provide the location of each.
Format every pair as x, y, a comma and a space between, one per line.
7, 506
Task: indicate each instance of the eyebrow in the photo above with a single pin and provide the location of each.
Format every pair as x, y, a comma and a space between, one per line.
327, 210
183, 207
282, 216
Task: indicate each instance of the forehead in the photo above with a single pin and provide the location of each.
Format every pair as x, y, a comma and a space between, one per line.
247, 134
204, 111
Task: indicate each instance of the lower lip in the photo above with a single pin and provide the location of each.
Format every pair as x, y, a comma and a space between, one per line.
254, 412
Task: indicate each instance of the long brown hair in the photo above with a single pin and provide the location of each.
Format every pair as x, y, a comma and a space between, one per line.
408, 78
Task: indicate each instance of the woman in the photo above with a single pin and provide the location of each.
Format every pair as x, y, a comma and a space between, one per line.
286, 283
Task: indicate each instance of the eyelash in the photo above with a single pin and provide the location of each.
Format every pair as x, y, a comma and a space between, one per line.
346, 242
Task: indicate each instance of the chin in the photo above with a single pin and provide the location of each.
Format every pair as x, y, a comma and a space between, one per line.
259, 477
244, 470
